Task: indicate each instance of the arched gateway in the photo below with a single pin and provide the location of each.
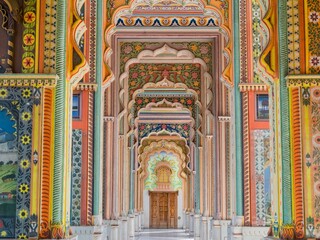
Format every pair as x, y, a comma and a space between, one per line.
119, 117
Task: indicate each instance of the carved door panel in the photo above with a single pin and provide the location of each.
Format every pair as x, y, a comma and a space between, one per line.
163, 210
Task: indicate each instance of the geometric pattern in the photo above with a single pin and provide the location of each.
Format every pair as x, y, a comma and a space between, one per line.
262, 183
76, 177
22, 99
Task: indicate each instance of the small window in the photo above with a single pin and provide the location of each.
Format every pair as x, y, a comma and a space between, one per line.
76, 106
262, 106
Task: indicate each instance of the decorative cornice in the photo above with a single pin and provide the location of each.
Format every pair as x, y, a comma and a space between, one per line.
254, 87
86, 87
28, 80
224, 118
303, 80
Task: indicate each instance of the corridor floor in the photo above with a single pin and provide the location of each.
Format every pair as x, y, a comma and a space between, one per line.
159, 234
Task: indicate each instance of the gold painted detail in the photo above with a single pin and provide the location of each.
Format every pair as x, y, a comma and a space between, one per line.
303, 80
254, 87
30, 80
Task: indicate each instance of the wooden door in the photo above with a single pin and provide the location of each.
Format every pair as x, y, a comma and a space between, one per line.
163, 209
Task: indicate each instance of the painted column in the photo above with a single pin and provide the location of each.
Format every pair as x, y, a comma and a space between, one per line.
238, 107
97, 171
58, 229
285, 123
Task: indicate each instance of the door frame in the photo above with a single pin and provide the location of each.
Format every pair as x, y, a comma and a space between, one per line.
168, 217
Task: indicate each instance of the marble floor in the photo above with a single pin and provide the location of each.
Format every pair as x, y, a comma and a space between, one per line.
159, 234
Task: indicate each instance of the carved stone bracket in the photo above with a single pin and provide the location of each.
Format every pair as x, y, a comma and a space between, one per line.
28, 80
303, 80
253, 87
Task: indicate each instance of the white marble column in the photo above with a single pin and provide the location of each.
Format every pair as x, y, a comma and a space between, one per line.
206, 228
114, 231
131, 226
216, 230
187, 222
197, 226
97, 229
124, 228
136, 222
191, 228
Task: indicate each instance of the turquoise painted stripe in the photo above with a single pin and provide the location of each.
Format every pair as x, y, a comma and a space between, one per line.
59, 123
97, 115
238, 107
285, 120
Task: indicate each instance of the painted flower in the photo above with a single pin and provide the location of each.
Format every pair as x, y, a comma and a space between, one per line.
127, 49
141, 67
142, 74
182, 100
164, 126
28, 39
25, 139
135, 75
3, 93
139, 101
29, 17
26, 116
24, 188
22, 236
133, 83
185, 127
194, 75
314, 17
28, 62
196, 83
23, 214
165, 73
186, 74
138, 47
315, 93
26, 93
24, 163
3, 234
316, 140
315, 61
194, 47
317, 187
146, 100
189, 101
204, 49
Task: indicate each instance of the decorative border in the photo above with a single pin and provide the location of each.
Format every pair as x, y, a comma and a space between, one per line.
22, 80
254, 87
24, 97
297, 171
47, 162
307, 80
29, 36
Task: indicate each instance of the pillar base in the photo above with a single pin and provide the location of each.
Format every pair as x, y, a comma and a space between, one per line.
124, 228
131, 226
115, 230
196, 220
206, 228
136, 222
187, 222
191, 228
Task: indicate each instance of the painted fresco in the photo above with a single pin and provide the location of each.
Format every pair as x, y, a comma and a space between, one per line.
8, 172
262, 172
151, 181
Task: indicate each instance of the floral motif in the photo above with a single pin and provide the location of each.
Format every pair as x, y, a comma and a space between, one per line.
22, 236
25, 139
188, 74
24, 188
25, 163
3, 234
315, 61
26, 93
3, 93
26, 116
314, 17
23, 214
